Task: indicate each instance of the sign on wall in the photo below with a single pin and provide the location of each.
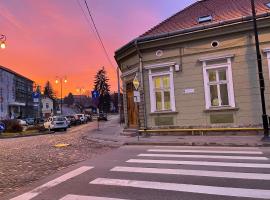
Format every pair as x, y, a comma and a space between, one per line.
137, 97
189, 91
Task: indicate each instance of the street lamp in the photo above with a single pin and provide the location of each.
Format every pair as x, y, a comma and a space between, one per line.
3, 39
57, 81
80, 90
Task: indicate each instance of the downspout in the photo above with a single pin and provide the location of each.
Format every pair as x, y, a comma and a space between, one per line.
142, 81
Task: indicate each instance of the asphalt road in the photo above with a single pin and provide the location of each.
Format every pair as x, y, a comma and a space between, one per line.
160, 173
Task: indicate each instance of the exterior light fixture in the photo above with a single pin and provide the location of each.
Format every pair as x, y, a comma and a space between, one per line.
3, 39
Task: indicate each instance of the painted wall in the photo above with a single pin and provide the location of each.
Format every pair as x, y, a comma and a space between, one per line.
191, 111
7, 93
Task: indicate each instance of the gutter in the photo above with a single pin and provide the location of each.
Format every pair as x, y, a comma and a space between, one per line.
162, 36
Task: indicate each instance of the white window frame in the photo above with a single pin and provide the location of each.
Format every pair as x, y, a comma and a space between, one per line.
152, 91
207, 95
267, 51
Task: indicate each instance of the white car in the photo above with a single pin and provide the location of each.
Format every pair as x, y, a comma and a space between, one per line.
22, 122
80, 117
56, 123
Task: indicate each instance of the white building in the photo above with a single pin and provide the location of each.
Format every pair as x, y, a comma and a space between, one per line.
47, 107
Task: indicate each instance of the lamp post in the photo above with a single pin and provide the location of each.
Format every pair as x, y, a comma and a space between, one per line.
60, 80
80, 90
260, 72
3, 39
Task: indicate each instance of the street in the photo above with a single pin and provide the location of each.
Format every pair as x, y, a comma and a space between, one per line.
159, 172
27, 159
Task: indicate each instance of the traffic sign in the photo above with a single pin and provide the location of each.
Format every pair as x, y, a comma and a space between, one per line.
136, 82
2, 127
95, 94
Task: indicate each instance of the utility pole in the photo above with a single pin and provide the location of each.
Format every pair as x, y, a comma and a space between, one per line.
119, 95
260, 72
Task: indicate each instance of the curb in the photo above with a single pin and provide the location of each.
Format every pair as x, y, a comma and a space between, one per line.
194, 144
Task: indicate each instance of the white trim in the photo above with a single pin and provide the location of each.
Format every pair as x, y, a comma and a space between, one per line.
267, 51
129, 72
151, 89
228, 67
160, 65
217, 57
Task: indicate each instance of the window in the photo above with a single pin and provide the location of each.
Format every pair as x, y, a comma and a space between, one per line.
218, 85
207, 18
162, 91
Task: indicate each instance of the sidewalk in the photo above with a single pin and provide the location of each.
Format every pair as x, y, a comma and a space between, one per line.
110, 133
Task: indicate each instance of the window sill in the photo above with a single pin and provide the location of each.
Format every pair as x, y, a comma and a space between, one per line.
164, 112
225, 108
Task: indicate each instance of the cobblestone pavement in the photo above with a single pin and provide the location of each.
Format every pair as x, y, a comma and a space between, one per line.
25, 160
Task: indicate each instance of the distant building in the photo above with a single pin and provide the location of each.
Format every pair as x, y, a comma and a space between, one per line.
47, 107
15, 95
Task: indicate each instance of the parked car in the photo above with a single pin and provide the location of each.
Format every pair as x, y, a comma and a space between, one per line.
102, 116
30, 121
22, 122
72, 120
56, 123
68, 122
80, 117
89, 118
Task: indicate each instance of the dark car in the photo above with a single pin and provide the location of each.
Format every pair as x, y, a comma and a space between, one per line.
72, 120
102, 116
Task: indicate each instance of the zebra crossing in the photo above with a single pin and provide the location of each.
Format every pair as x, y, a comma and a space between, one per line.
210, 172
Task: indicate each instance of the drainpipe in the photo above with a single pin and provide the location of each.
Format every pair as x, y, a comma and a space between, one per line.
142, 81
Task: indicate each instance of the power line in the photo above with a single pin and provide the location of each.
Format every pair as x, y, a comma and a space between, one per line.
87, 19
99, 37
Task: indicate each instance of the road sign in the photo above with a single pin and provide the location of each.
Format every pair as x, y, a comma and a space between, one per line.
136, 82
95, 97
2, 127
35, 97
95, 94
137, 96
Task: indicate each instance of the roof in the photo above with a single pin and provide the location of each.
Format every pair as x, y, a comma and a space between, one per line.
15, 73
221, 10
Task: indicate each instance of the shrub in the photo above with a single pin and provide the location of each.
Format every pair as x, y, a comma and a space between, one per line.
37, 127
13, 126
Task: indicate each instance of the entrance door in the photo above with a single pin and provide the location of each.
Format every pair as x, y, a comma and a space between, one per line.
132, 108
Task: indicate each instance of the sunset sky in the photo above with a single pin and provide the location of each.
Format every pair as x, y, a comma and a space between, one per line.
49, 38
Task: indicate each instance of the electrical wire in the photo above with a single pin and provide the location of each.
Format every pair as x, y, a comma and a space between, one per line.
87, 19
98, 34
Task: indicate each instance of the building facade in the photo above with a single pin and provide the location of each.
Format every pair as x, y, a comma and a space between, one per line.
198, 69
15, 95
47, 107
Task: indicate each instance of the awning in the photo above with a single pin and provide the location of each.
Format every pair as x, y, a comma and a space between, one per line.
16, 104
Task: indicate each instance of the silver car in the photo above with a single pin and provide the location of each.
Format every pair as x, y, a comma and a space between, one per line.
56, 123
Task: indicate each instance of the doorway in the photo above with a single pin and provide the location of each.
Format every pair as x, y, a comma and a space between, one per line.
132, 107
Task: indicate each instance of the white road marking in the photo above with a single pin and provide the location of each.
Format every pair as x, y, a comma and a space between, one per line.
204, 151
201, 163
201, 189
202, 156
209, 147
219, 174
79, 197
61, 179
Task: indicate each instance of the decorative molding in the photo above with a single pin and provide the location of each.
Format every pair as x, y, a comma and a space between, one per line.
217, 57
129, 72
159, 65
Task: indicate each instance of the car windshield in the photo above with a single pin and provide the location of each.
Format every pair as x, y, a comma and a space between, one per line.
58, 119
